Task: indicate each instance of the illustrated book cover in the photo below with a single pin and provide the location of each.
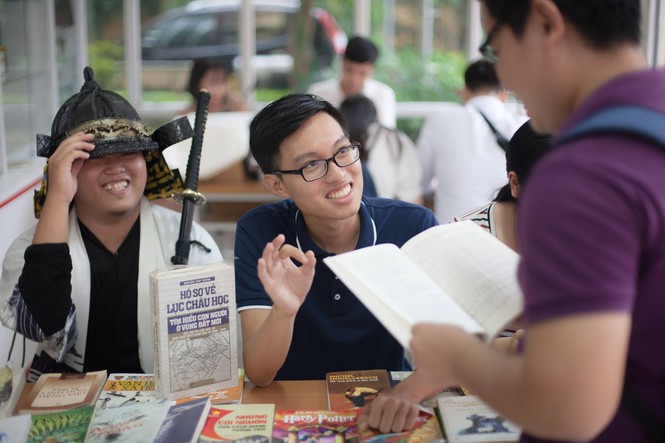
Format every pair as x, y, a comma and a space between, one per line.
455, 273
70, 425
125, 389
183, 422
57, 392
232, 395
248, 423
354, 389
194, 323
132, 422
15, 429
426, 430
315, 425
12, 381
128, 409
468, 419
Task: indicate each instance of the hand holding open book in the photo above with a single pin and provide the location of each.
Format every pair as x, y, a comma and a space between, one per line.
455, 273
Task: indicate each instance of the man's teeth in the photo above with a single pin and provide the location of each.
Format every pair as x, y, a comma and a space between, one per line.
116, 186
346, 190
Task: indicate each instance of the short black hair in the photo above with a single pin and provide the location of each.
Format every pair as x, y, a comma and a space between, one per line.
280, 119
199, 69
361, 50
603, 23
525, 148
481, 75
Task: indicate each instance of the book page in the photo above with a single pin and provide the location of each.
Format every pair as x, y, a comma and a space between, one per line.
398, 293
474, 268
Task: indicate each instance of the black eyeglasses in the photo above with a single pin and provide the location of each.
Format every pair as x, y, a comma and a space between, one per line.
486, 49
316, 169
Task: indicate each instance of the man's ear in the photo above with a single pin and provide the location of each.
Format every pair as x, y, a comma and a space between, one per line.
514, 183
550, 19
275, 185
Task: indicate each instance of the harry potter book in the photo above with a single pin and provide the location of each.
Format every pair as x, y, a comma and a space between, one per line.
194, 321
315, 425
455, 273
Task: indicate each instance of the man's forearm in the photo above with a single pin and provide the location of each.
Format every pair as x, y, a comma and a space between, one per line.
265, 351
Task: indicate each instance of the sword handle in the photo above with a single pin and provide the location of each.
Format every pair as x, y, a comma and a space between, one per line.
188, 196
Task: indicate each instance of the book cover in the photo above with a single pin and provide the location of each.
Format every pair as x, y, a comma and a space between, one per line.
183, 422
58, 392
12, 381
194, 323
133, 422
64, 426
249, 423
456, 273
426, 430
315, 425
468, 419
123, 389
354, 389
15, 429
232, 395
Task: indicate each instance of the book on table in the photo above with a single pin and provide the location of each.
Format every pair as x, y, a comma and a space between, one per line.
131, 423
455, 273
69, 425
56, 392
183, 422
354, 389
221, 396
315, 425
239, 423
468, 419
127, 410
426, 430
125, 388
195, 332
12, 381
15, 429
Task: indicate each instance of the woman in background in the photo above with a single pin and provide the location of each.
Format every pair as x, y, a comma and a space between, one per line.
213, 75
498, 217
389, 154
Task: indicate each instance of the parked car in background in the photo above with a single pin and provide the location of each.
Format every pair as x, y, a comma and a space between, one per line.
209, 28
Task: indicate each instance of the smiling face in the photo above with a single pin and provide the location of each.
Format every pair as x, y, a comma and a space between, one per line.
111, 186
334, 197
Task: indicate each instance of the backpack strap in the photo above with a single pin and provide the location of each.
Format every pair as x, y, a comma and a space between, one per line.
628, 120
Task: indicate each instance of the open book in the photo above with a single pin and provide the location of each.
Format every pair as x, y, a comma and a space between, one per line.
455, 273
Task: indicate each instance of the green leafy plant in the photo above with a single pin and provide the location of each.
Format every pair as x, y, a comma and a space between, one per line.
104, 55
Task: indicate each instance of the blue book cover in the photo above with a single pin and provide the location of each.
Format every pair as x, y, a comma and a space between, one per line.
183, 422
